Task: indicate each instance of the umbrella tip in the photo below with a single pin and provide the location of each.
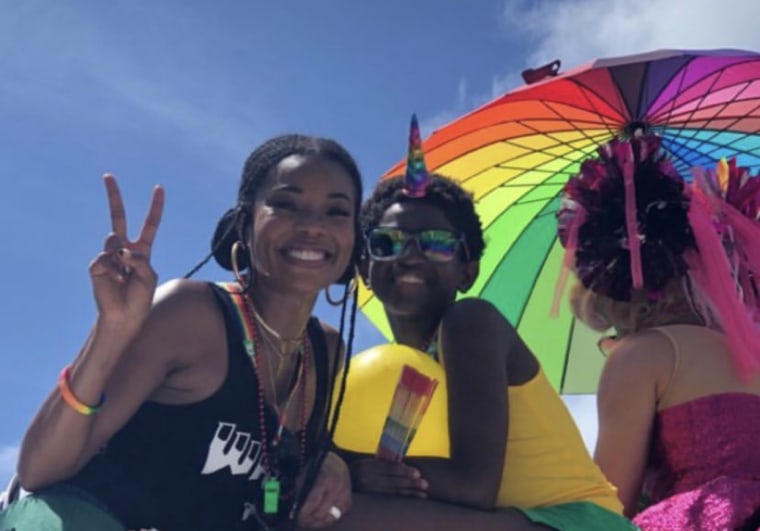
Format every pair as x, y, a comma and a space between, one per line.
534, 75
636, 129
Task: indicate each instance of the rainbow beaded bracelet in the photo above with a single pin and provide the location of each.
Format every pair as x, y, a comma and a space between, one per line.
73, 401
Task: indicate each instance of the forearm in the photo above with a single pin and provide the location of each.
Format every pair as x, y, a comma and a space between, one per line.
57, 442
463, 484
467, 485
347, 455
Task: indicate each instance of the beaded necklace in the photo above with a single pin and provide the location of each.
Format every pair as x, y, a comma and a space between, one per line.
270, 459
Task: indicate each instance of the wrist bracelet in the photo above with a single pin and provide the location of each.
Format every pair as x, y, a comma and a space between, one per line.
73, 401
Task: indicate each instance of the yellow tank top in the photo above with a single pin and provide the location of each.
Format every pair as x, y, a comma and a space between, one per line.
546, 462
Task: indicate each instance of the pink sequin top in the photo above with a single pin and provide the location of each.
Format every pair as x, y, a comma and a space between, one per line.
705, 464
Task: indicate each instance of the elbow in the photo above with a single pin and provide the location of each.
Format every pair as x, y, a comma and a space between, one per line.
479, 499
486, 499
35, 474
30, 479
483, 490
482, 503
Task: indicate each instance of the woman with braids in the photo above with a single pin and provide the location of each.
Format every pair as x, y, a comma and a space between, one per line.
517, 460
205, 406
672, 270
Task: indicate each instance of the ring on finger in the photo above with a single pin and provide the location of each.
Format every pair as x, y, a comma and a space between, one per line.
335, 512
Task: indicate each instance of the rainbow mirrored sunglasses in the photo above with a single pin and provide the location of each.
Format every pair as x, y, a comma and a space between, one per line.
437, 245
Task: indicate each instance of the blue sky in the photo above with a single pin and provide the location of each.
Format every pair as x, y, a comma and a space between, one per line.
178, 93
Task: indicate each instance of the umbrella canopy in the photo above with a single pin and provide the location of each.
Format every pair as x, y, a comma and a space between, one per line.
515, 153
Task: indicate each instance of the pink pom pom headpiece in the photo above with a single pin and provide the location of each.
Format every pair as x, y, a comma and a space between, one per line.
627, 202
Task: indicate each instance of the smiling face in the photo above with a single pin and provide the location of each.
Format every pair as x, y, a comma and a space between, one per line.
413, 284
303, 223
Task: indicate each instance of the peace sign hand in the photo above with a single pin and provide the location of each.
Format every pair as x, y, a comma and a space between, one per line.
122, 278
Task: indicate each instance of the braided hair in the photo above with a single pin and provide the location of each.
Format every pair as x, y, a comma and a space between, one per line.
255, 171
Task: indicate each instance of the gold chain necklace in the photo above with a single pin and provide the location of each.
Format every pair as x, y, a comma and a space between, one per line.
299, 367
272, 334
291, 393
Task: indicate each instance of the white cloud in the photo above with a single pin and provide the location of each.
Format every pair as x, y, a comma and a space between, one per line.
578, 31
8, 459
66, 61
199, 124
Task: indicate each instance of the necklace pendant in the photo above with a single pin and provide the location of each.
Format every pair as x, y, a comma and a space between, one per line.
248, 344
271, 489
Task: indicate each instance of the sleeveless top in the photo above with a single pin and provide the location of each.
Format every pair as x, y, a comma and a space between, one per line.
704, 467
198, 466
546, 462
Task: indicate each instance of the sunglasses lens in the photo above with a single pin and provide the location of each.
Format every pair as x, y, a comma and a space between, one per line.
385, 244
438, 245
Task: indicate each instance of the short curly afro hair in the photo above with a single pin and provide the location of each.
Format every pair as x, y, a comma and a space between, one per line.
443, 193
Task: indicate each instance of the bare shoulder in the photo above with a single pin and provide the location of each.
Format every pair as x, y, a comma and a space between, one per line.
477, 313
637, 366
186, 317
476, 331
189, 301
478, 319
646, 352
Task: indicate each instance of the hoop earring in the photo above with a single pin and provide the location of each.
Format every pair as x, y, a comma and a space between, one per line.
236, 247
347, 295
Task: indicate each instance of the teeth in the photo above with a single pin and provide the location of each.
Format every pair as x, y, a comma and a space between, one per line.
410, 279
306, 254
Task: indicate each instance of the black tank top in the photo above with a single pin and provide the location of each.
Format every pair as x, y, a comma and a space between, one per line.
197, 466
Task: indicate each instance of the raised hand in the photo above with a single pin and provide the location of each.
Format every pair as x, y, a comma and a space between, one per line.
122, 278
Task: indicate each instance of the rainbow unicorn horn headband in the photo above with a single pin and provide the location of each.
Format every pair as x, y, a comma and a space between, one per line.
416, 179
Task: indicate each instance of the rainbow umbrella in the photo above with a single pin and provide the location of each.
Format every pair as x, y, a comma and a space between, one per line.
515, 154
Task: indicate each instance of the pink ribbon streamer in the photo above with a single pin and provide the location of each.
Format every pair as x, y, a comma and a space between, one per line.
568, 260
711, 270
634, 242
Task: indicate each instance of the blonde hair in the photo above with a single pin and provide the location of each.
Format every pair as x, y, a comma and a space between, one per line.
601, 313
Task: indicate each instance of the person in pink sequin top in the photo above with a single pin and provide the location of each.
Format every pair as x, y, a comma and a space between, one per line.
672, 270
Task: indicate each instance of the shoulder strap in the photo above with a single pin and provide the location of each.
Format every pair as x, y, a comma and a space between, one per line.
245, 324
677, 361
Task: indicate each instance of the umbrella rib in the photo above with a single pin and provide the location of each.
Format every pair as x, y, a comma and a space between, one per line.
591, 106
522, 311
681, 82
564, 157
704, 94
540, 170
679, 131
708, 142
536, 216
697, 79
677, 155
566, 359
728, 128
